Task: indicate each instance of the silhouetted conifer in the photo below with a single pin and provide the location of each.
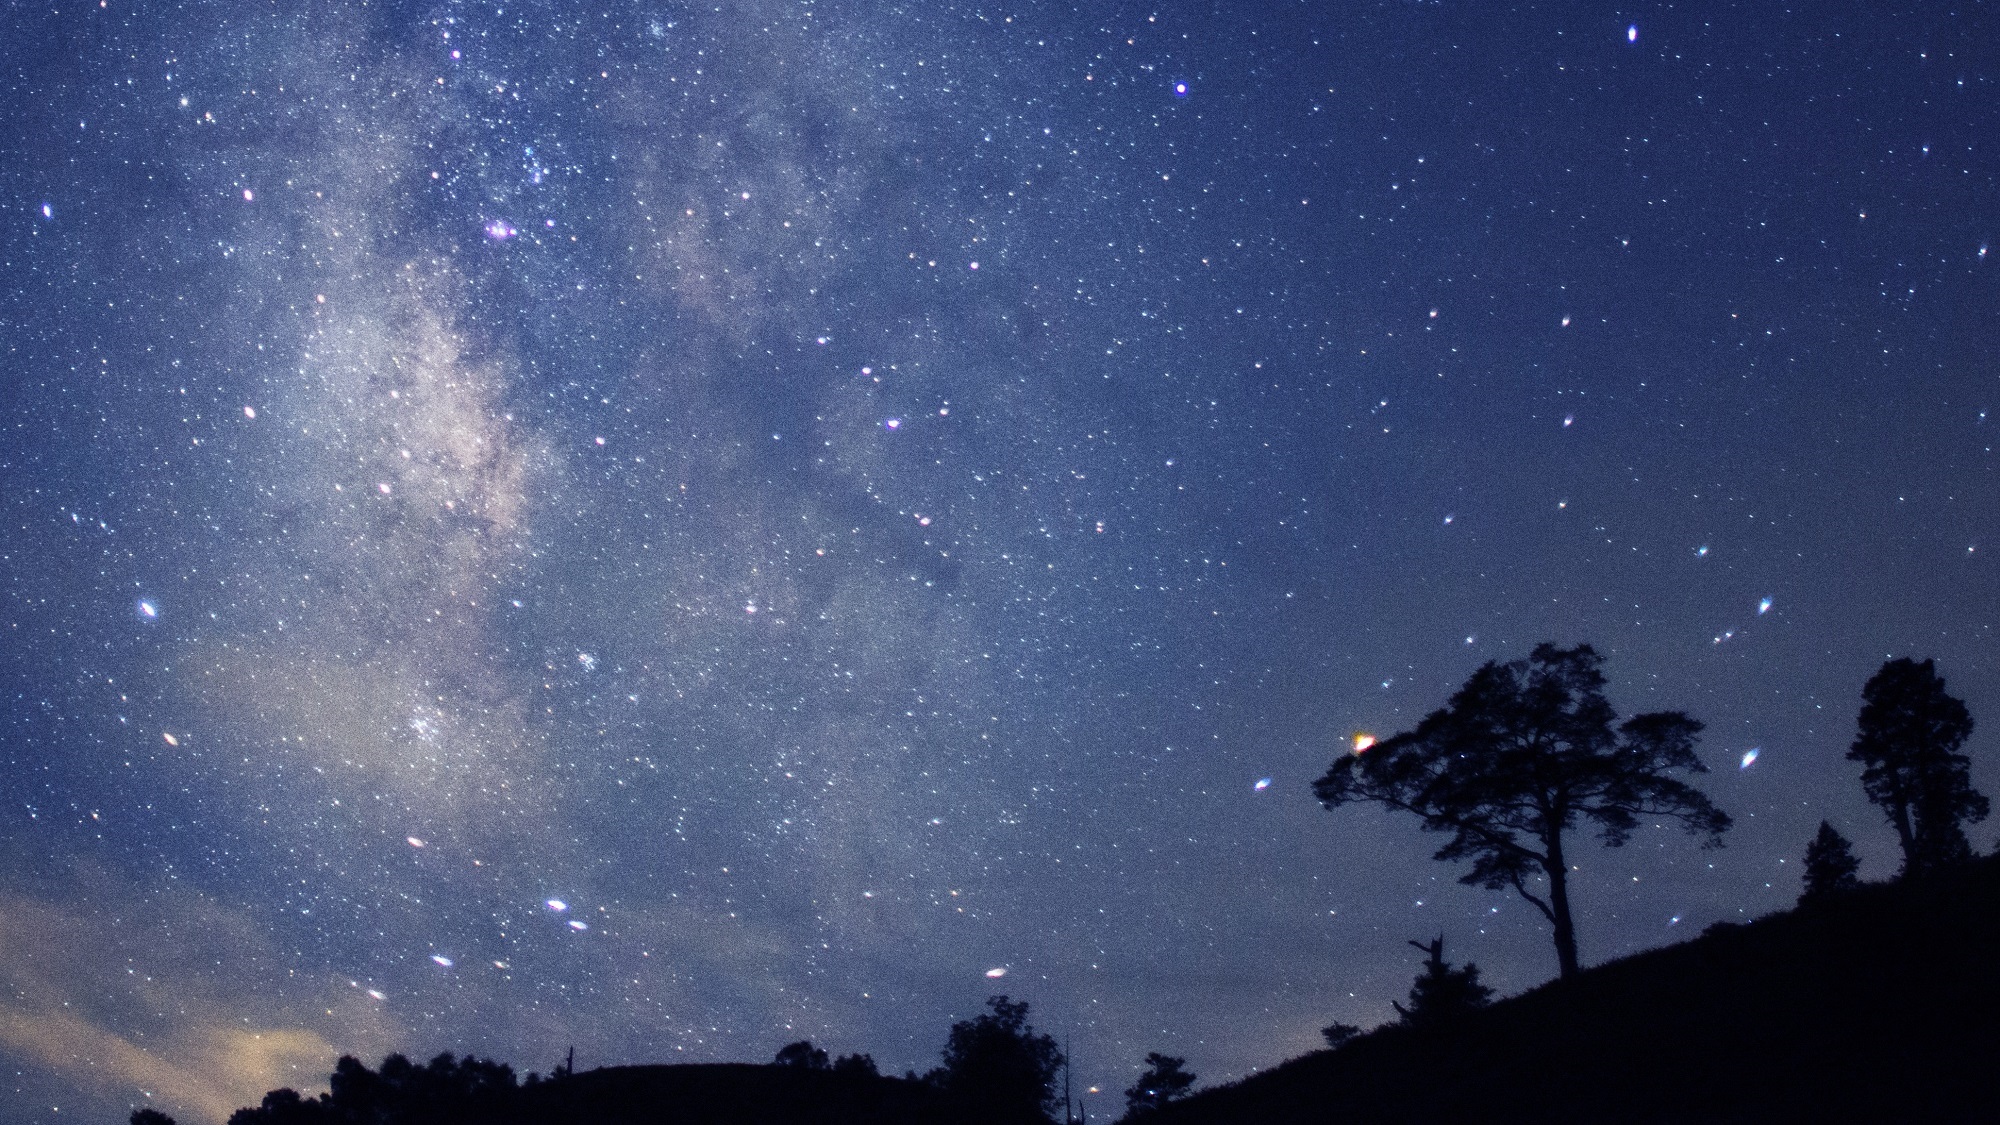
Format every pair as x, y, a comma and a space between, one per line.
1441, 993
1338, 1035
1166, 1079
1908, 741
1830, 866
150, 1117
801, 1054
1524, 752
998, 1068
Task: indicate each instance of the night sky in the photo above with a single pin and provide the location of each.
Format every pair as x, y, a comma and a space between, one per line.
673, 528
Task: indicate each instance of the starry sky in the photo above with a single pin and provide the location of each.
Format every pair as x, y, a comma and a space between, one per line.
671, 528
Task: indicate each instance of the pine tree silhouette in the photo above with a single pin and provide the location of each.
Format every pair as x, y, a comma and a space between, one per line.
1441, 994
150, 1117
1522, 755
1339, 1035
1165, 1080
1830, 866
1910, 732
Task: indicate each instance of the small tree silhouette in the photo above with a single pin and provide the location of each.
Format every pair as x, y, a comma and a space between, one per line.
1165, 1080
856, 1064
150, 1117
802, 1055
1908, 741
1441, 994
1830, 866
1338, 1035
998, 1068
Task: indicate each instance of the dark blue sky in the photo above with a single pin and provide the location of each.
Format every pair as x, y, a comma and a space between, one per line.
848, 499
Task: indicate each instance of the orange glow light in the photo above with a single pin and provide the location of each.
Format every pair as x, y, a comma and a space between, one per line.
1362, 741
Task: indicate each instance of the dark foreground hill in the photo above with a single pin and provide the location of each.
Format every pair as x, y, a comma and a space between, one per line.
1881, 1006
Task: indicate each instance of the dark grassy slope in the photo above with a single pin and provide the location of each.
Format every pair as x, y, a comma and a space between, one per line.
1883, 1006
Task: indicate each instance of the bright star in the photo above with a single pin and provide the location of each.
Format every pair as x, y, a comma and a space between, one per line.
441, 959
1632, 33
1749, 759
1263, 783
1763, 607
556, 905
995, 974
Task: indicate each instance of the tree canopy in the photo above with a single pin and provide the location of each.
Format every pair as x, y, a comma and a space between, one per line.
802, 1055
1522, 753
999, 1068
1909, 735
1166, 1079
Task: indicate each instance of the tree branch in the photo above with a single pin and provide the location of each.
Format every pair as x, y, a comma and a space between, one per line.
1547, 912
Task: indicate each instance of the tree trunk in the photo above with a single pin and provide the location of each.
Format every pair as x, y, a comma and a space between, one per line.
1558, 871
1899, 815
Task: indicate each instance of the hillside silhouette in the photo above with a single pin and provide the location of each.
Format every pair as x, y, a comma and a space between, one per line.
1875, 1004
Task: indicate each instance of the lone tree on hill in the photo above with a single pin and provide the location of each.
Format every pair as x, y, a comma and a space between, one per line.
1166, 1079
1521, 754
1910, 732
1830, 866
999, 1068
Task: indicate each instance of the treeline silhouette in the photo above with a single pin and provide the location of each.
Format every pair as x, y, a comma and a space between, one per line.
1839, 1005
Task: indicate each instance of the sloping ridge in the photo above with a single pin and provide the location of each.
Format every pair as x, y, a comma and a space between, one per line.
1882, 1005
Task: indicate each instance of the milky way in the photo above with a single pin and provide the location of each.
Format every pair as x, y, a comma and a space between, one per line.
672, 529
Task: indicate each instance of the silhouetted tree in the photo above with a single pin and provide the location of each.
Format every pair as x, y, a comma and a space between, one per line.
1830, 866
856, 1064
1441, 993
1521, 754
1166, 1079
999, 1068
1908, 741
150, 1117
801, 1054
1338, 1035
